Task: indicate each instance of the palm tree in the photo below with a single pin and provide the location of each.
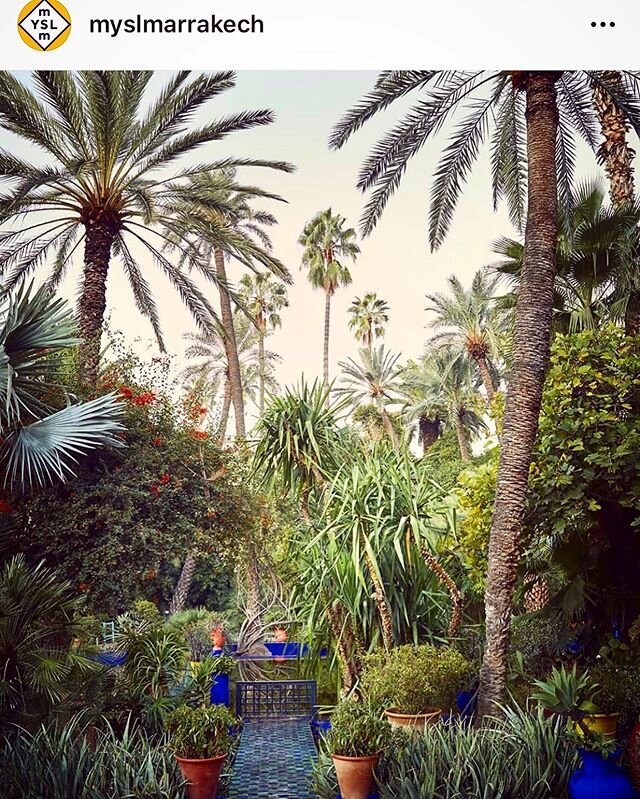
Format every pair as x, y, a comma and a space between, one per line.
472, 324
107, 142
373, 381
39, 442
327, 244
368, 318
38, 620
264, 298
592, 261
210, 367
441, 386
216, 218
531, 118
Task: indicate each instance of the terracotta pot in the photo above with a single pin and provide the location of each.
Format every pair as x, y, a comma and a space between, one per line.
416, 721
202, 776
280, 635
355, 775
217, 638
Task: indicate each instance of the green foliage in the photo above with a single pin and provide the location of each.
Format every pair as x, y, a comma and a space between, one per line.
619, 691
443, 462
357, 730
43, 432
198, 733
39, 617
518, 755
121, 529
584, 497
567, 693
61, 763
415, 679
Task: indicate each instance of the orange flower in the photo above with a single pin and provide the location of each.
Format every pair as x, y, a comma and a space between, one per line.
200, 435
126, 392
157, 442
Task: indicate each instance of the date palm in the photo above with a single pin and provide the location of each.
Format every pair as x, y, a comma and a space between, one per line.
44, 430
368, 315
209, 367
109, 183
373, 381
530, 119
328, 245
263, 298
442, 386
216, 219
470, 321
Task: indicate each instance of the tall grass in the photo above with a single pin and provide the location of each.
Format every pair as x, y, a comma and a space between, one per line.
520, 756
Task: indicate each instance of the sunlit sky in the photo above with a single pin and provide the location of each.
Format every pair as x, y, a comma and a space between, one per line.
395, 261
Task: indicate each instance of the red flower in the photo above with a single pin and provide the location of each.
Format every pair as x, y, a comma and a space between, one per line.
154, 490
4, 507
202, 410
84, 586
126, 392
146, 398
157, 442
165, 479
201, 435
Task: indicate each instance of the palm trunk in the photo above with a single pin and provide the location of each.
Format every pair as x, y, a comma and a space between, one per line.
179, 599
485, 374
463, 444
617, 157
531, 353
99, 240
226, 406
327, 323
261, 368
230, 345
428, 431
388, 426
382, 605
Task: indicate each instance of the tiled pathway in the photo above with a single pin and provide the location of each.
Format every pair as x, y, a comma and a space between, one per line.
274, 761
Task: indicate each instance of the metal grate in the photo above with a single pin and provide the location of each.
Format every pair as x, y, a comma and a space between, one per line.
291, 699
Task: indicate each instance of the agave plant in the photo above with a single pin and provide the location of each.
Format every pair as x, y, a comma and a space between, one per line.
39, 442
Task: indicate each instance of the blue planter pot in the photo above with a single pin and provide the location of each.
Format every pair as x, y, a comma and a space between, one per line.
598, 778
111, 658
220, 691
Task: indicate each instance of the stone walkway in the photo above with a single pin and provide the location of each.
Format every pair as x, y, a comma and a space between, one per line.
274, 761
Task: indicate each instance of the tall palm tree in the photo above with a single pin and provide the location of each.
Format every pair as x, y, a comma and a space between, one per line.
471, 323
40, 443
216, 218
263, 298
373, 381
369, 315
441, 386
107, 142
210, 366
531, 118
327, 245
617, 156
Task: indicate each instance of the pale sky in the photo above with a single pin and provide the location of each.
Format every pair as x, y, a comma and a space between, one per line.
395, 261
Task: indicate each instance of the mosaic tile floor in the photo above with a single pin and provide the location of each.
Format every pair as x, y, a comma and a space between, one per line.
274, 761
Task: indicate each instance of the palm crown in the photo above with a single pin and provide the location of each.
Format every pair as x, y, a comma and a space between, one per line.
470, 322
485, 106
103, 189
327, 245
368, 317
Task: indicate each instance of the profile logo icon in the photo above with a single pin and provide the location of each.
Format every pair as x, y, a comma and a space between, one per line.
44, 24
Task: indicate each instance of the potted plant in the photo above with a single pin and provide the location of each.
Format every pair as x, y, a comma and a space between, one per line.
570, 694
415, 684
358, 734
199, 739
223, 667
217, 637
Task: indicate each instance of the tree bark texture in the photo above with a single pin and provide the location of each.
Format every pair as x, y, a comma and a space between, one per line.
531, 354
